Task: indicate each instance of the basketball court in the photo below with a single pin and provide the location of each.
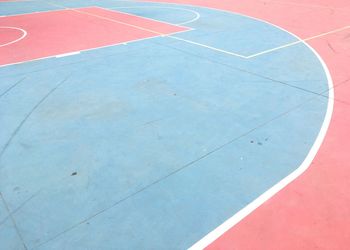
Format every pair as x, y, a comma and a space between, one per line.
182, 124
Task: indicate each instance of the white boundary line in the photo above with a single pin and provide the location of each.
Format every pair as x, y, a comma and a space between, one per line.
264, 51
252, 206
222, 50
161, 34
90, 49
197, 15
157, 34
24, 34
244, 212
185, 40
240, 215
209, 47
68, 54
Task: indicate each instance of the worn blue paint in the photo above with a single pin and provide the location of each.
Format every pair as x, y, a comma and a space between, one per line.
167, 139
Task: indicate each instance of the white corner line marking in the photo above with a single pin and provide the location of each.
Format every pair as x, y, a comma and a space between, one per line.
24, 34
298, 42
208, 47
68, 54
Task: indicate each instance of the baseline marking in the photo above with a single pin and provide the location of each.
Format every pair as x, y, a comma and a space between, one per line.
90, 49
157, 34
24, 34
68, 54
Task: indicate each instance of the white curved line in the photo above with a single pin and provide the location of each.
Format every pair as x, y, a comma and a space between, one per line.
248, 209
197, 15
244, 212
24, 34
240, 215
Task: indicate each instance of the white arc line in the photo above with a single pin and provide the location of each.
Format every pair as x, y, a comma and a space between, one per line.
244, 212
252, 206
196, 17
240, 215
24, 34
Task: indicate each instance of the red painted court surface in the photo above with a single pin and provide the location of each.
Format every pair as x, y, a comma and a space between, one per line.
32, 36
134, 202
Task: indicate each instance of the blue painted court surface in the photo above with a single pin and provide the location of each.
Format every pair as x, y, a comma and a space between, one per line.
152, 144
